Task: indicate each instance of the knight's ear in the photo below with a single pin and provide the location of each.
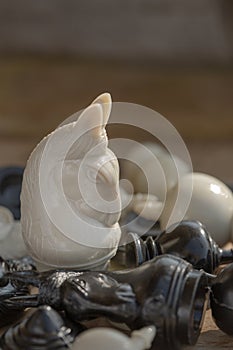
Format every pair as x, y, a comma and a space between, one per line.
91, 119
106, 102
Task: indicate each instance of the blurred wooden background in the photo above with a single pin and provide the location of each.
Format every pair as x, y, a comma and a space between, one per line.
38, 93
174, 57
194, 31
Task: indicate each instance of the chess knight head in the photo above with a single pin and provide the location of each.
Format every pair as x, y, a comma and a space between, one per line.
70, 202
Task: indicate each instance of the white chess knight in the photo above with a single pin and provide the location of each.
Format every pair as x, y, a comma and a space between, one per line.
70, 202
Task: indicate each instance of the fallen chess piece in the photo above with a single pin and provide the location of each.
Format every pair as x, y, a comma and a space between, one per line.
44, 329
70, 180
11, 241
112, 339
221, 299
165, 292
211, 203
188, 239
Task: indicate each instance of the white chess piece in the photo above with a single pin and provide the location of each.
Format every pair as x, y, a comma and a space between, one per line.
157, 168
211, 203
70, 202
11, 241
146, 205
112, 339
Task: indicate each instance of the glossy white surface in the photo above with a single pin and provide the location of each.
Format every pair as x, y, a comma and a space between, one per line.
112, 339
65, 219
11, 241
157, 169
211, 204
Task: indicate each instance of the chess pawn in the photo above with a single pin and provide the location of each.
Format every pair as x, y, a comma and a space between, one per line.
11, 241
211, 203
44, 329
189, 240
70, 202
221, 299
108, 338
158, 165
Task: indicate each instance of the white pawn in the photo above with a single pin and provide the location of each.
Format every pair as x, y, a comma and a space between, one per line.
152, 169
112, 339
211, 203
143, 204
11, 241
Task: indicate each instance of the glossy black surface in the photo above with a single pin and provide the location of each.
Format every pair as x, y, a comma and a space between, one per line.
222, 299
44, 329
189, 240
11, 313
10, 187
11, 265
165, 291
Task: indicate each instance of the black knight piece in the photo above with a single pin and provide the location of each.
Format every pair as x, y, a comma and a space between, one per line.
189, 240
166, 292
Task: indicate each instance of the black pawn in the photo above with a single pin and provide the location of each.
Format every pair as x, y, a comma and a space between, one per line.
189, 240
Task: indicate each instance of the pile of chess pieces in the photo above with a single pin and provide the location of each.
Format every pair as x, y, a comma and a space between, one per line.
153, 282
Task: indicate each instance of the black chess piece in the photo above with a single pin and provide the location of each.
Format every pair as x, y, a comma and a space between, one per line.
221, 299
166, 292
189, 240
11, 313
10, 188
44, 329
8, 289
11, 265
